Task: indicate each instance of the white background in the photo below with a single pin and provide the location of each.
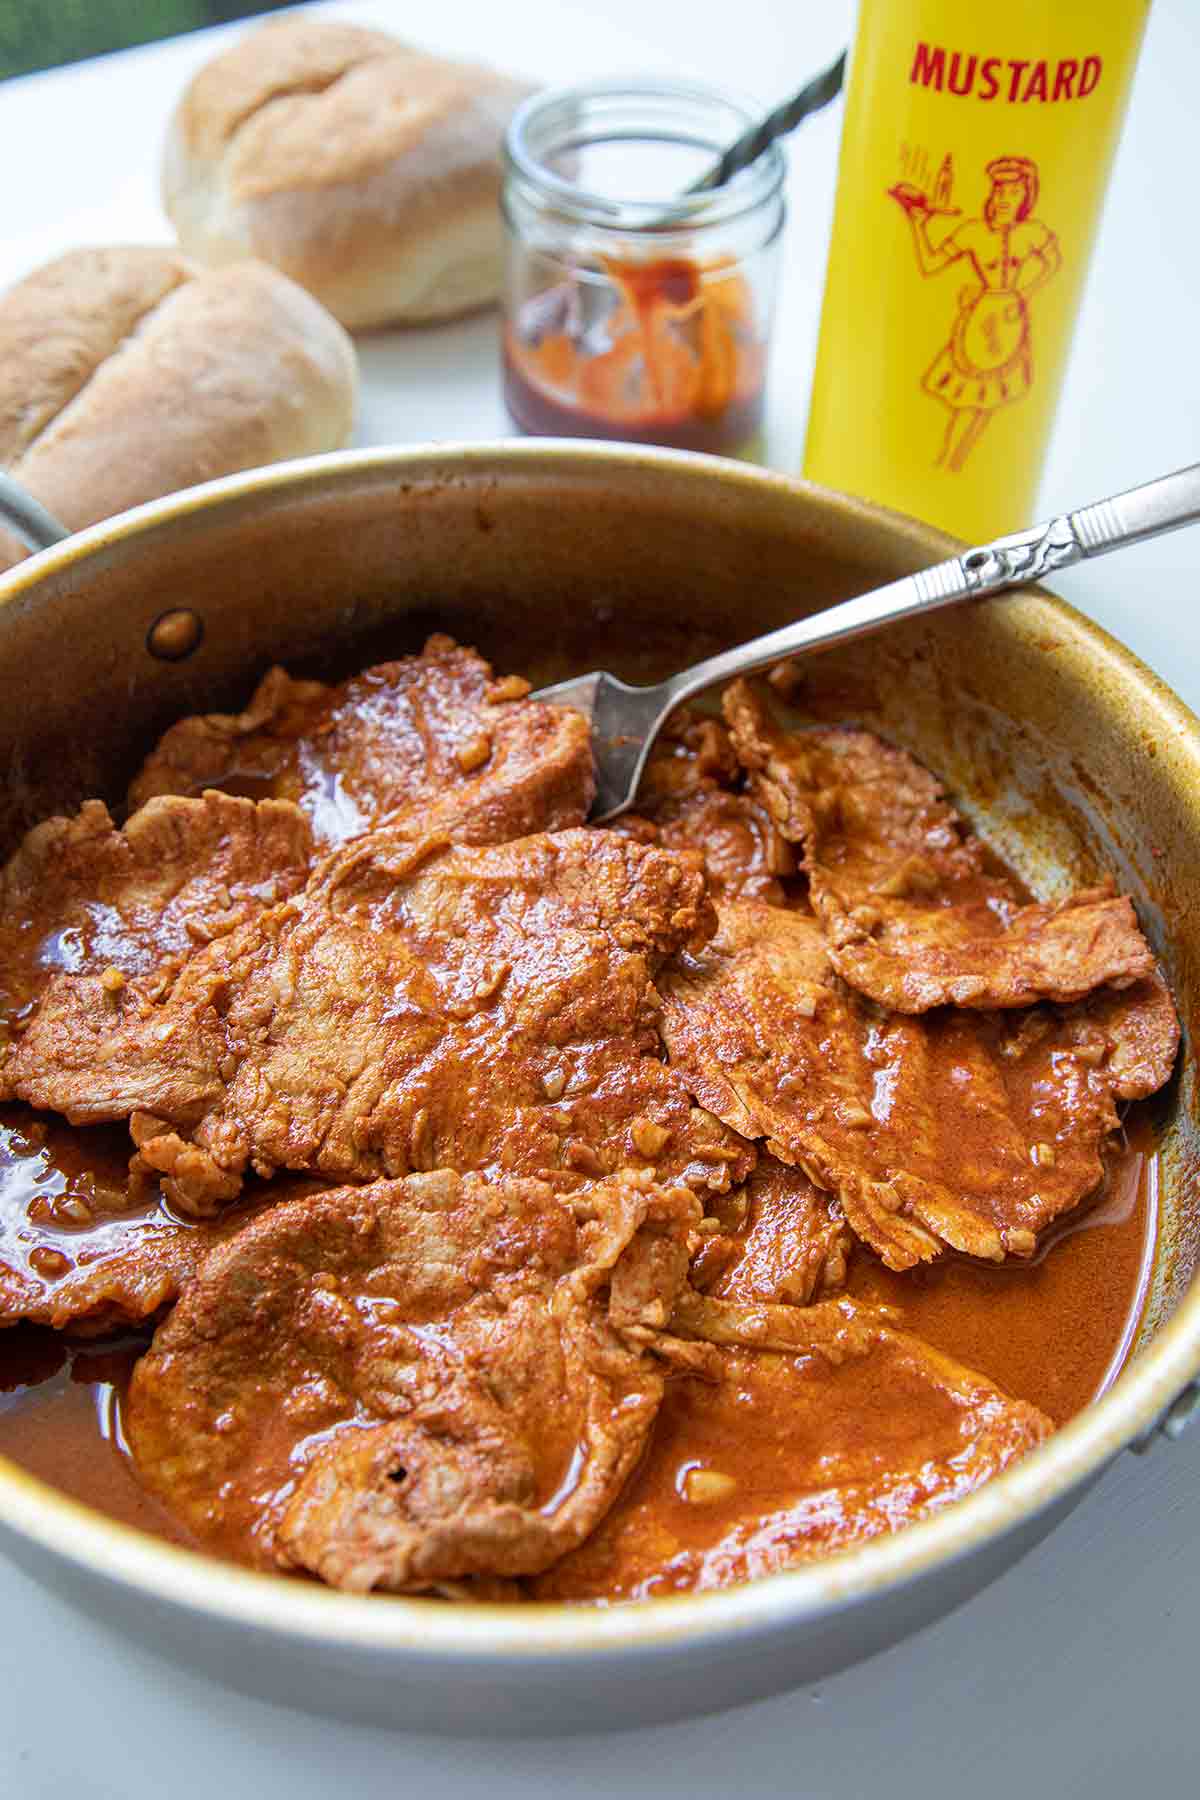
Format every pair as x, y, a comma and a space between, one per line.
1076, 1673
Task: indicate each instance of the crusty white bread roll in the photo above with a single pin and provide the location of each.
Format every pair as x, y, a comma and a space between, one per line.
366, 170
130, 372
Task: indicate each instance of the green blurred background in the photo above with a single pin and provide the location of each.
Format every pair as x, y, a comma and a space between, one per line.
42, 34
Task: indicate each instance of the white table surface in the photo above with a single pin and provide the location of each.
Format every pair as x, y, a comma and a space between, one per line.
1076, 1673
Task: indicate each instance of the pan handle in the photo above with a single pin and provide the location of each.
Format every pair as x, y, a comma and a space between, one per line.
27, 518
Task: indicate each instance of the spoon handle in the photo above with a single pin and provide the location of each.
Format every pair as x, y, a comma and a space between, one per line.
744, 150
1015, 561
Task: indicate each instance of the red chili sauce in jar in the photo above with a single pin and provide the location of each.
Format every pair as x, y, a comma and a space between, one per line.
676, 358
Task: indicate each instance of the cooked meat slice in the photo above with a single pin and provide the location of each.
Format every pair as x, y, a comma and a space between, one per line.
81, 896
430, 731
833, 1328
926, 956
130, 1269
417, 1007
414, 1382
691, 751
120, 1269
76, 1251
914, 915
782, 1239
685, 802
743, 850
828, 1427
254, 752
966, 1129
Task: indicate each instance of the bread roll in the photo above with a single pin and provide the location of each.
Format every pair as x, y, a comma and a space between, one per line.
367, 171
127, 373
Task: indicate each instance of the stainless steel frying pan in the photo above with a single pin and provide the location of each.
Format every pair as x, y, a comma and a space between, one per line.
1067, 751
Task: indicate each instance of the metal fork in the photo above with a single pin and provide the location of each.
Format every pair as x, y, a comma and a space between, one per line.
626, 720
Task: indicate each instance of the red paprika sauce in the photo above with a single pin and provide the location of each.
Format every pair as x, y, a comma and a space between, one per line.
677, 360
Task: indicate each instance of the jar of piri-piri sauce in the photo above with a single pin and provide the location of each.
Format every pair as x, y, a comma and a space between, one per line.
635, 310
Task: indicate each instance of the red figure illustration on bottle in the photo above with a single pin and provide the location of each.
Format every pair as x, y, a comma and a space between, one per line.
988, 361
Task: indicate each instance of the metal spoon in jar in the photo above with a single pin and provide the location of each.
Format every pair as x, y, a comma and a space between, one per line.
626, 720
811, 98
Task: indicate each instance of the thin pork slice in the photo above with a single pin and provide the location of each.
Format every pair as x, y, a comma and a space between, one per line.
915, 914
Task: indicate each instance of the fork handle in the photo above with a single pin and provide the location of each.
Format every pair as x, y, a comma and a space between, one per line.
1007, 562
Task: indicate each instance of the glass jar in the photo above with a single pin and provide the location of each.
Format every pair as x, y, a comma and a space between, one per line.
634, 310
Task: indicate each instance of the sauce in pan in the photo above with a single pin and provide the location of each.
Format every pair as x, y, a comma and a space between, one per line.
1054, 1332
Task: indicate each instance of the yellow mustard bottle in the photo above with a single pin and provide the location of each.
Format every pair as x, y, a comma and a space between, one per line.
976, 150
